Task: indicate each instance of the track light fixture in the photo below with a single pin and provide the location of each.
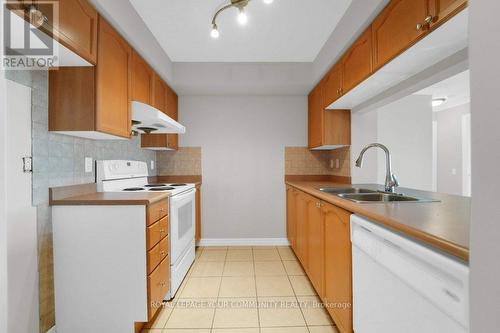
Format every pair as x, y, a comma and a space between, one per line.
242, 16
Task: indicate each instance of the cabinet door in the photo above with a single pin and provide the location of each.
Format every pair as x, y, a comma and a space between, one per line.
315, 117
442, 10
159, 94
395, 29
315, 247
291, 227
301, 229
78, 27
332, 89
172, 112
357, 62
113, 82
338, 266
158, 286
142, 80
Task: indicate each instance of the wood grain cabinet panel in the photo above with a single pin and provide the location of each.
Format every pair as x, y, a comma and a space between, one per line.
357, 62
113, 82
332, 89
291, 226
156, 232
158, 286
315, 117
442, 10
157, 254
142, 80
172, 112
338, 265
315, 244
159, 98
395, 29
157, 211
301, 220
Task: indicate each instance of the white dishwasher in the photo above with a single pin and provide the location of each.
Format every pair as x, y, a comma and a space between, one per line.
402, 286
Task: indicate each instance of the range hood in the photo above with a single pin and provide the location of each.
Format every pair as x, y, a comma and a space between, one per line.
147, 119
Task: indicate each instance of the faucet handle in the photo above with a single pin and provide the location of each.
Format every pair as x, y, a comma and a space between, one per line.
395, 181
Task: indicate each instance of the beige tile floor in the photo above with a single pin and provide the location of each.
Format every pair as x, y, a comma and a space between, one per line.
244, 290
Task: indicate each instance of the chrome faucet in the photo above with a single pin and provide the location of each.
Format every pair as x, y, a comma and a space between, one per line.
391, 181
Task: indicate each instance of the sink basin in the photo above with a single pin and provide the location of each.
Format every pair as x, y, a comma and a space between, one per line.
339, 190
380, 197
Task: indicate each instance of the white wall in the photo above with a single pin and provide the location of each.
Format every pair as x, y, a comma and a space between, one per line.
405, 127
242, 140
485, 113
364, 132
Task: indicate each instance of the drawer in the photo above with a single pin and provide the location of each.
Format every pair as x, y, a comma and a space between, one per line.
157, 254
157, 210
158, 286
156, 232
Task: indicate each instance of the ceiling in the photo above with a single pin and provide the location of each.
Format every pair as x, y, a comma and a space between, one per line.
455, 89
284, 31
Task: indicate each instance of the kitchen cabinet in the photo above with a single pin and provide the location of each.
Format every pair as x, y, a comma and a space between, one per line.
113, 82
442, 10
315, 117
165, 100
142, 80
291, 226
357, 62
400, 25
75, 27
94, 102
333, 89
301, 224
338, 265
315, 244
159, 98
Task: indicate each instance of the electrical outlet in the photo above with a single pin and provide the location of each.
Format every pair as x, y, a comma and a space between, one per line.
152, 165
337, 163
331, 164
89, 166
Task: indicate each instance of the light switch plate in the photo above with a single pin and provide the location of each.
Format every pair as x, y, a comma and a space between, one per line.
89, 164
152, 165
337, 163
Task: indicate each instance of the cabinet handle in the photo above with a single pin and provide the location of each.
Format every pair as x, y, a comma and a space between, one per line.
419, 26
429, 19
162, 231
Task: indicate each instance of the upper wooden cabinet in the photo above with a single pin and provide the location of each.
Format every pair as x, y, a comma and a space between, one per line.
442, 10
357, 63
159, 98
94, 102
327, 129
332, 85
75, 26
113, 82
399, 26
338, 265
142, 80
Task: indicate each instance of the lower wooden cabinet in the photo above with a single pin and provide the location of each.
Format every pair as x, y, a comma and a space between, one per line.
319, 234
315, 244
338, 266
158, 286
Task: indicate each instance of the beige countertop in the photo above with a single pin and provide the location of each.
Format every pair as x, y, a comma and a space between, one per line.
443, 225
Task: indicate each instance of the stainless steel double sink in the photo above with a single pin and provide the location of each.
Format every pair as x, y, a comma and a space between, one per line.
363, 195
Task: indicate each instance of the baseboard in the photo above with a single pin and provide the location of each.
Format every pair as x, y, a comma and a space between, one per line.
52, 330
243, 242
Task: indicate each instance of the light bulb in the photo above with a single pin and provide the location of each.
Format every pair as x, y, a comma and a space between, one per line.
438, 101
214, 33
242, 17
268, 2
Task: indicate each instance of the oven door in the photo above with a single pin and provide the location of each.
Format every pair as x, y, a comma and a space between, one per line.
182, 223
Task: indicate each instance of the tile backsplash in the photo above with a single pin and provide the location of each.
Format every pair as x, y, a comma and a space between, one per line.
184, 162
58, 160
302, 161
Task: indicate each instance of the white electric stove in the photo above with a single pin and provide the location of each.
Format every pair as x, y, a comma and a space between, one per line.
132, 176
